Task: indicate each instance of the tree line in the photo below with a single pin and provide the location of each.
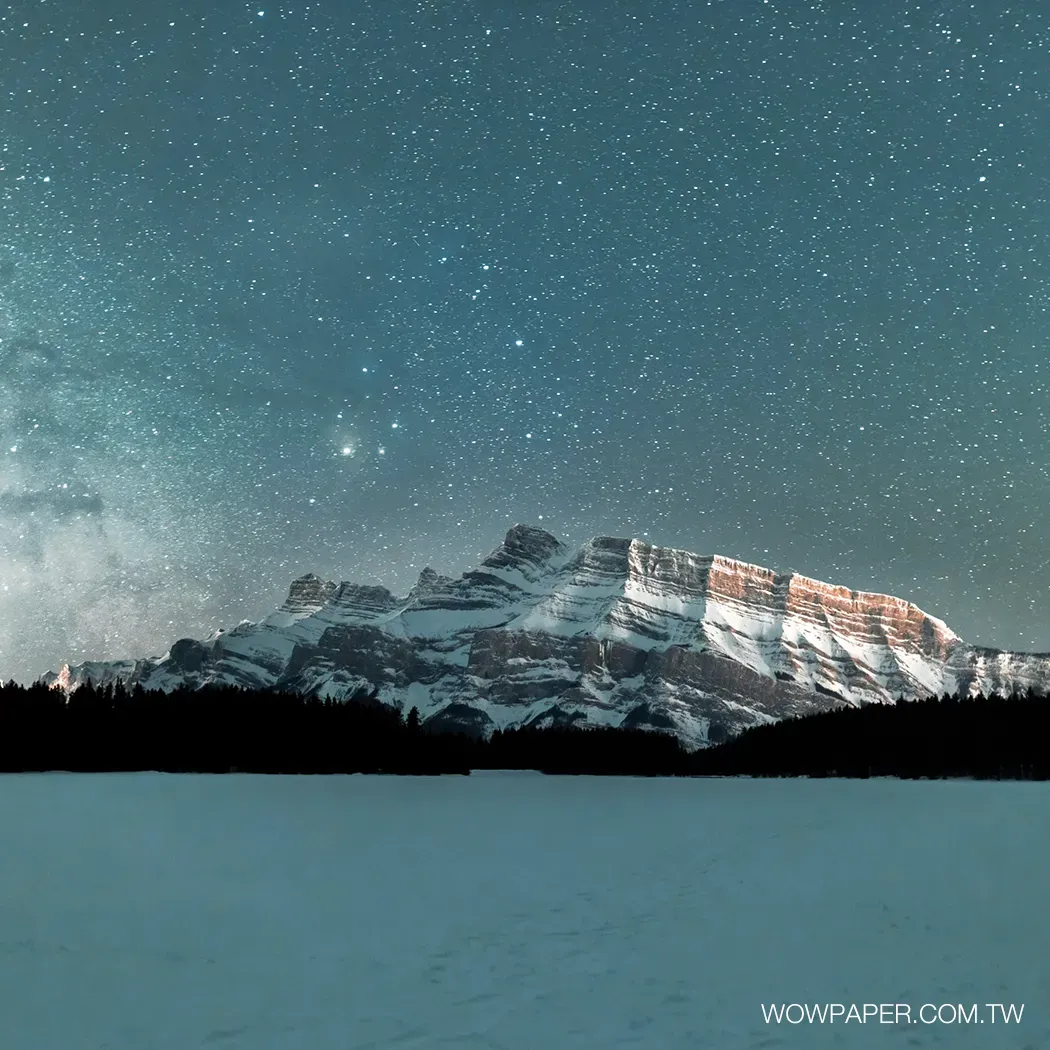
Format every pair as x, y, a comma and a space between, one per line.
224, 729
984, 737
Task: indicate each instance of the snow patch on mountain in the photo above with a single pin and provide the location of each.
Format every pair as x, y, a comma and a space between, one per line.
618, 632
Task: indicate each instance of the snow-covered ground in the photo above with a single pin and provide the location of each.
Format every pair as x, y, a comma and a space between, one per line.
513, 911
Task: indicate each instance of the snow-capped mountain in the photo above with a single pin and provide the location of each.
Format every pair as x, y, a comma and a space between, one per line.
618, 632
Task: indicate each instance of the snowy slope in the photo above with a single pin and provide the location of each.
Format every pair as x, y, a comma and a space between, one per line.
618, 632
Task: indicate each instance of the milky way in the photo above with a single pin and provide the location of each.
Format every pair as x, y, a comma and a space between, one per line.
352, 288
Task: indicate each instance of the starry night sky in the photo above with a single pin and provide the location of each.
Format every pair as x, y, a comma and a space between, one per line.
352, 287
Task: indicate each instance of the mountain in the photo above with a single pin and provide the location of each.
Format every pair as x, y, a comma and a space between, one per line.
619, 632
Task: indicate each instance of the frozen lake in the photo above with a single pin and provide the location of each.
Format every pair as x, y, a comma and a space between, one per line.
514, 911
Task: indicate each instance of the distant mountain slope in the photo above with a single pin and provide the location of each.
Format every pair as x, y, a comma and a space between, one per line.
618, 632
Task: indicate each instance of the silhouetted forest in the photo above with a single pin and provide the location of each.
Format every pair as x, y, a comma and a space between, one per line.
223, 729
990, 737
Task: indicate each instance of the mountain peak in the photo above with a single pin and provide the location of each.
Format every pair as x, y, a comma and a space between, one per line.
526, 548
531, 537
621, 632
308, 594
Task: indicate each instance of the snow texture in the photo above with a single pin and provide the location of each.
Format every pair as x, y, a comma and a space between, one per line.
512, 911
619, 632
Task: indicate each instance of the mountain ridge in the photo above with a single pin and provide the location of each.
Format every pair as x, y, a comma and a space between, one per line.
616, 632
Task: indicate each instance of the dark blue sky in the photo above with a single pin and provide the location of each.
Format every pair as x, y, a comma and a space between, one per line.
352, 287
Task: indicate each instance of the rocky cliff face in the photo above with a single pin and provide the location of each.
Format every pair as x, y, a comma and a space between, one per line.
618, 632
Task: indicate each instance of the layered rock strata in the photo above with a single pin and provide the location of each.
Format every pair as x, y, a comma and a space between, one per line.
618, 632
